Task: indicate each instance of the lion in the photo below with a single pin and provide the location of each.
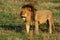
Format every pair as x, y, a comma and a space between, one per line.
43, 16
27, 14
33, 16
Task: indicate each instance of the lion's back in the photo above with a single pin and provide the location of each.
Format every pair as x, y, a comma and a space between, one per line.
43, 15
43, 12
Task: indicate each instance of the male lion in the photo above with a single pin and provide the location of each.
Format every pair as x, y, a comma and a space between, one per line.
27, 14
43, 16
30, 15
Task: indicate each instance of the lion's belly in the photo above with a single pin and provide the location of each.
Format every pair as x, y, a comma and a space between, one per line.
42, 19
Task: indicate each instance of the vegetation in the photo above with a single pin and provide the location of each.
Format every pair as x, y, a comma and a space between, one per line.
12, 27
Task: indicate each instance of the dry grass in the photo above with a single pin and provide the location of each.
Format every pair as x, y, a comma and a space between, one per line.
9, 15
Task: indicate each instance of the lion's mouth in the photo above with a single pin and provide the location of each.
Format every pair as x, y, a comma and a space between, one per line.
23, 18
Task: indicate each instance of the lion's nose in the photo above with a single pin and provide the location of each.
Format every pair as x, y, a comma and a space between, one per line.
22, 17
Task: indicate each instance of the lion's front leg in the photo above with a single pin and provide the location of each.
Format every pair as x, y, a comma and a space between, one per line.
27, 27
36, 27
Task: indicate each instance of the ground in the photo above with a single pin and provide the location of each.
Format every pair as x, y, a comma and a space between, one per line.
11, 27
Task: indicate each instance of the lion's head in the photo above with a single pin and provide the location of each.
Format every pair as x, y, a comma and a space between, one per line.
27, 11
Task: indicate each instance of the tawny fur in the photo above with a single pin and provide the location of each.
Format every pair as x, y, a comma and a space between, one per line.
28, 12
31, 15
42, 16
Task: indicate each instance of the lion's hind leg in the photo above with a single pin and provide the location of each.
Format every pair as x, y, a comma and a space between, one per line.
50, 25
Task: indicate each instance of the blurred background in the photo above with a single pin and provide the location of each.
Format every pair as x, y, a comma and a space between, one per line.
13, 28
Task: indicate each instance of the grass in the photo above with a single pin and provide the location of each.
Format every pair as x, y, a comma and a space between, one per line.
7, 35
10, 21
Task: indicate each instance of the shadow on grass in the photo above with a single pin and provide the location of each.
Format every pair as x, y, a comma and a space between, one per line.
20, 28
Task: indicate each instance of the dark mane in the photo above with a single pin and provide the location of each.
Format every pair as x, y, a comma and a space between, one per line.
29, 6
32, 10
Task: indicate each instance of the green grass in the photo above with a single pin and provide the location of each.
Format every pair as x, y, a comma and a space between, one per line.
55, 1
10, 17
6, 34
